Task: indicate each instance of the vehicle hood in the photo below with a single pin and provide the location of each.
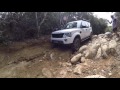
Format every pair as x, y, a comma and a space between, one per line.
64, 31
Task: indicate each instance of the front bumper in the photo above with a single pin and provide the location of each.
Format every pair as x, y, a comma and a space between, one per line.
67, 40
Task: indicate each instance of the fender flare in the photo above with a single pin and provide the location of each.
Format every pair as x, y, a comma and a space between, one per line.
74, 35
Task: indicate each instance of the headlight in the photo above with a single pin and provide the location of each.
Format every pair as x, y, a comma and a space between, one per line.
67, 35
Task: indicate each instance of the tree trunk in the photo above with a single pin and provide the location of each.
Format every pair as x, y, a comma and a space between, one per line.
45, 14
37, 24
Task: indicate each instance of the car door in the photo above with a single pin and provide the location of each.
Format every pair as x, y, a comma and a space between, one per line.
83, 29
87, 29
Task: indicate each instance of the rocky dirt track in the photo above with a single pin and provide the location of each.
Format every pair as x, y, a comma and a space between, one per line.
96, 58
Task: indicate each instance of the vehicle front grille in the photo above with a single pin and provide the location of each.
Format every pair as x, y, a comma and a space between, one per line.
57, 35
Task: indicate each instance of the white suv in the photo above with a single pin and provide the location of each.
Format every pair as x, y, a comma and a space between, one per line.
74, 33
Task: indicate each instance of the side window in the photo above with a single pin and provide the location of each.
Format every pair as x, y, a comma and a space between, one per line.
74, 25
83, 25
79, 24
87, 24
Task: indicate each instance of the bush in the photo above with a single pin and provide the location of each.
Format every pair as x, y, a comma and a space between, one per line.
23, 25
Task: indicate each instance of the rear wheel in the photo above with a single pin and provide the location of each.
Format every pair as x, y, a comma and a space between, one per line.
76, 44
91, 35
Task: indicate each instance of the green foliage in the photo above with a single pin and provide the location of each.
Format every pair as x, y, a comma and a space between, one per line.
22, 25
108, 29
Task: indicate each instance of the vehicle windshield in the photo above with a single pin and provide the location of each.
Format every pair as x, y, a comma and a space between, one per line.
71, 25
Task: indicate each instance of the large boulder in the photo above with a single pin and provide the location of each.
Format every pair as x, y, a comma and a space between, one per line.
83, 48
78, 69
83, 59
91, 53
76, 58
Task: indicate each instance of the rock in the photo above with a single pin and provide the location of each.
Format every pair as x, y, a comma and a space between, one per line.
112, 46
104, 55
60, 58
69, 69
60, 63
63, 73
101, 35
78, 69
52, 56
105, 51
66, 64
76, 58
83, 48
109, 74
102, 41
85, 64
47, 73
103, 71
40, 60
95, 46
117, 39
95, 76
114, 37
104, 48
108, 34
87, 55
91, 54
83, 59
99, 54
84, 53
94, 36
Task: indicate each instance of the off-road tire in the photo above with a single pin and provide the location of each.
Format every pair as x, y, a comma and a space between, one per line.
76, 44
90, 35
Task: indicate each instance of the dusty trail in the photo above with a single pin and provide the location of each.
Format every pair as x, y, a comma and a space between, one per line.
39, 60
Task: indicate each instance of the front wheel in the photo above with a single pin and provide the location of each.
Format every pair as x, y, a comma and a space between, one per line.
76, 44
